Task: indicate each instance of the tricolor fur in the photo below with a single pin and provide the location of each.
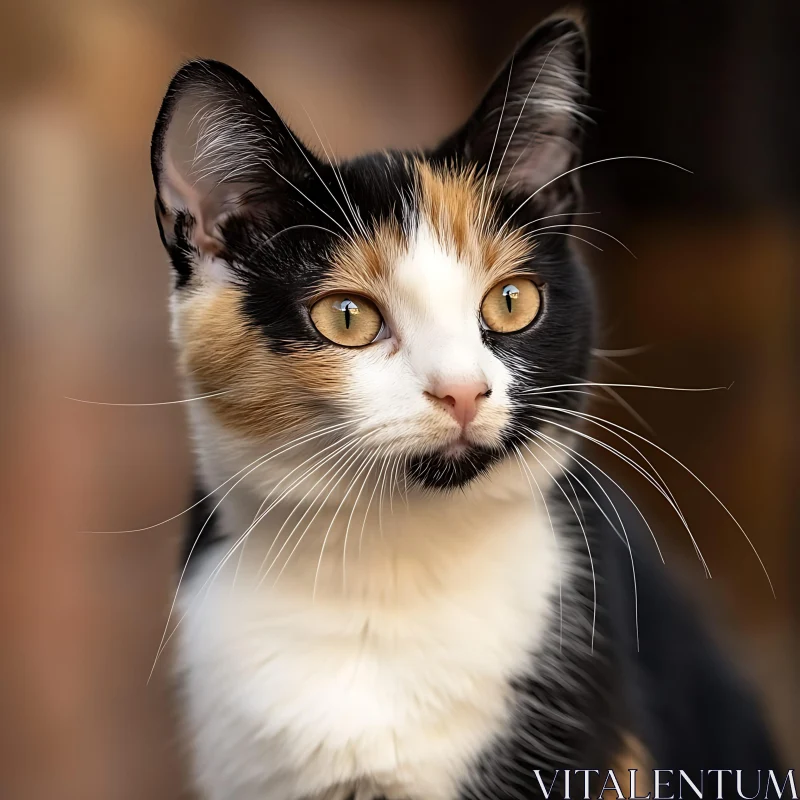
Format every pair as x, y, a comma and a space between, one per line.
390, 606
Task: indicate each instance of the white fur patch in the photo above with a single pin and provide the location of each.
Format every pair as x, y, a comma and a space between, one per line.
398, 680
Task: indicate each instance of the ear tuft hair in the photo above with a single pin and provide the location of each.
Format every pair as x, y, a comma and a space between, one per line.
219, 149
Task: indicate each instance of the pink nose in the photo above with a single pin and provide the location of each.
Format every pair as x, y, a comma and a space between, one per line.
460, 399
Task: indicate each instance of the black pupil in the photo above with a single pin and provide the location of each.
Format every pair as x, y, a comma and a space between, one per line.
349, 307
510, 293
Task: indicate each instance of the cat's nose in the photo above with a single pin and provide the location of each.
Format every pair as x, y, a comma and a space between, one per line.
460, 399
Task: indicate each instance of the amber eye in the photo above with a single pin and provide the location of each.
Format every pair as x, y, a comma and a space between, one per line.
511, 305
347, 319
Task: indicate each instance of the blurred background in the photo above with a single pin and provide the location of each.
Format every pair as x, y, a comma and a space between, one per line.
711, 300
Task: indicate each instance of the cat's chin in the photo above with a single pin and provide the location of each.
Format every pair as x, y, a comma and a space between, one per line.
453, 466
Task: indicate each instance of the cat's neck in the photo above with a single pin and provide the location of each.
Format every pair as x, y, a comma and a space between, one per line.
387, 546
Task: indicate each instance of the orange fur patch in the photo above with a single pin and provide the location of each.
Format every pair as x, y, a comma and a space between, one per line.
459, 212
632, 756
365, 264
264, 393
458, 207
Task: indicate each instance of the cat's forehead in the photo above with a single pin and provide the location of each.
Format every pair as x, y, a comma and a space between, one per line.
446, 241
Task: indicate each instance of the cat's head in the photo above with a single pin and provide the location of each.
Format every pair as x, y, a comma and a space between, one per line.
406, 303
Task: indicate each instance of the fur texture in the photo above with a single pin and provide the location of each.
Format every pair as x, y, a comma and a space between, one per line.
388, 603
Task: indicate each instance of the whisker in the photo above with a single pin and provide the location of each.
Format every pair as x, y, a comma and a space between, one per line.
371, 463
494, 143
287, 445
571, 236
562, 214
340, 446
689, 471
585, 536
295, 227
380, 495
628, 407
633, 386
330, 527
626, 539
341, 472
216, 571
583, 166
340, 454
148, 405
337, 173
258, 463
578, 454
526, 469
659, 485
384, 461
588, 227
306, 197
356, 220
516, 123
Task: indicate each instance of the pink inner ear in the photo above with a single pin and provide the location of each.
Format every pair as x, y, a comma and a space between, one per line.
196, 171
548, 156
177, 194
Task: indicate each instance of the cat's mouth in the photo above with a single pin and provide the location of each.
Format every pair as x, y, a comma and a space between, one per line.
452, 465
458, 447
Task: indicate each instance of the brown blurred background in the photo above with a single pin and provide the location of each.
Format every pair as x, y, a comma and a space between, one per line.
83, 289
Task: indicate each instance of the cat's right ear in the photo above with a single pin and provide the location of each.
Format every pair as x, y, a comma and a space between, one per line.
527, 129
219, 150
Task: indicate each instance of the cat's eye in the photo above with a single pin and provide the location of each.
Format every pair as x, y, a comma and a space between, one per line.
347, 319
511, 305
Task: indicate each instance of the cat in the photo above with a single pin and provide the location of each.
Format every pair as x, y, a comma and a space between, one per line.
410, 584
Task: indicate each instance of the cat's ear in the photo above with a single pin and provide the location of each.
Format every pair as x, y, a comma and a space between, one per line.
219, 150
527, 128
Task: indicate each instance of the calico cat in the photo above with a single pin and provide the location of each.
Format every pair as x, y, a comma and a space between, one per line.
405, 581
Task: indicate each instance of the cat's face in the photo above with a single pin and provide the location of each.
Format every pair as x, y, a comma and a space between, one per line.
401, 302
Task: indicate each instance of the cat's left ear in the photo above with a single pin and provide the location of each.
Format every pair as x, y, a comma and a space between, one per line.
527, 128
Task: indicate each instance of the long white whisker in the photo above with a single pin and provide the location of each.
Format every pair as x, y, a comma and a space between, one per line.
294, 227
288, 445
339, 446
252, 467
583, 166
582, 457
585, 536
494, 143
571, 236
384, 461
588, 227
216, 571
526, 471
516, 123
340, 473
669, 455
340, 454
337, 173
659, 485
330, 527
562, 214
624, 533
356, 221
632, 386
149, 405
371, 461
307, 198
615, 395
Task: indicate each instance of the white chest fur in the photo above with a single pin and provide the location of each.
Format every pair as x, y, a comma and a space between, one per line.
394, 678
